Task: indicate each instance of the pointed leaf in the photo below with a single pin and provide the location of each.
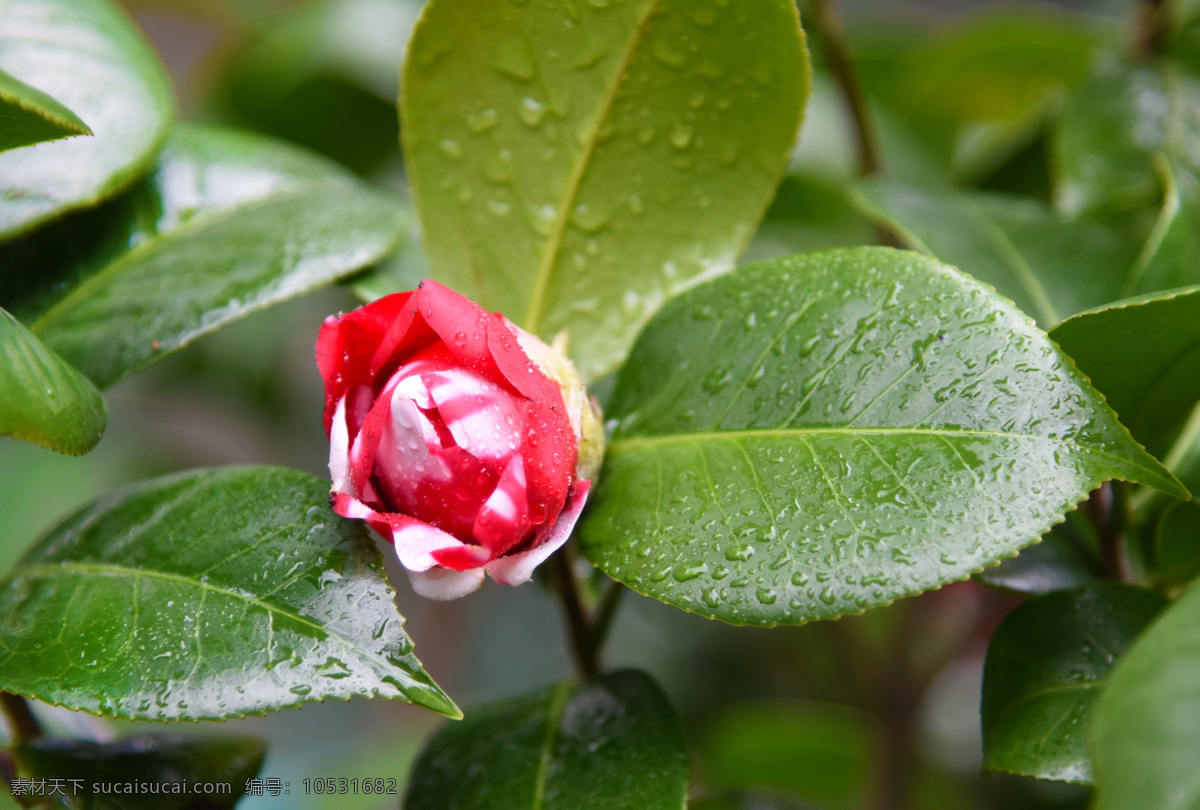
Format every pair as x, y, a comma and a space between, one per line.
1143, 354
613, 742
816, 435
87, 56
1045, 668
42, 399
574, 165
1049, 266
1113, 127
230, 223
206, 595
183, 768
1145, 738
29, 116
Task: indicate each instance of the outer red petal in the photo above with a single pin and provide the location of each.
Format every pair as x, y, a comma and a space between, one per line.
346, 344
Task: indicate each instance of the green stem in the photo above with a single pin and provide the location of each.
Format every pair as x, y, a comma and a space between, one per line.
24, 725
580, 628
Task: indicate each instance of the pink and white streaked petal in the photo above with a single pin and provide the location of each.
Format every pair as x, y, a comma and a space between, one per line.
482, 416
503, 520
403, 458
444, 584
339, 450
415, 541
516, 569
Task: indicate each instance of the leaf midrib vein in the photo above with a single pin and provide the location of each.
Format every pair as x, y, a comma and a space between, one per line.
137, 573
617, 446
549, 257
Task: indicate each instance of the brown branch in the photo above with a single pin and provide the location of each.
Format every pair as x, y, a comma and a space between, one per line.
1151, 25
827, 25
24, 725
580, 628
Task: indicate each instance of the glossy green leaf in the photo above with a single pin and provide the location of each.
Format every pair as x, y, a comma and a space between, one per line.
1046, 665
1145, 738
1049, 266
1113, 127
206, 595
817, 435
1063, 559
42, 399
1143, 354
613, 742
87, 56
230, 223
576, 164
29, 116
179, 767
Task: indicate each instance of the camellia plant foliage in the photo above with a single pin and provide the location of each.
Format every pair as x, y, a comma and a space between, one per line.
1006, 386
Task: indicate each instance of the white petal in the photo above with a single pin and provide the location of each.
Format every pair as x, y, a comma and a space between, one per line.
515, 569
416, 542
339, 450
444, 584
482, 416
403, 459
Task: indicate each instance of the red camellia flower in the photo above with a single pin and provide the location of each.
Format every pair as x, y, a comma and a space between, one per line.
463, 440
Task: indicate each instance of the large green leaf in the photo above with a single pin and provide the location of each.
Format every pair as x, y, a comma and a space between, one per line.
576, 164
614, 742
1045, 668
1146, 729
1143, 354
206, 595
87, 56
816, 435
29, 116
229, 223
182, 769
1049, 266
42, 399
1113, 127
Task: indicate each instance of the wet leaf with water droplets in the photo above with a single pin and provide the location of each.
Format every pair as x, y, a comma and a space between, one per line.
206, 595
86, 55
229, 223
612, 742
905, 427
174, 761
1145, 739
1046, 666
1143, 354
43, 399
604, 155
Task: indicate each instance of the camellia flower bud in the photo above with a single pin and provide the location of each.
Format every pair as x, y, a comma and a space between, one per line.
466, 442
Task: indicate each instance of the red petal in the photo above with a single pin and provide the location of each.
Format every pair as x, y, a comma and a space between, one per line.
346, 343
